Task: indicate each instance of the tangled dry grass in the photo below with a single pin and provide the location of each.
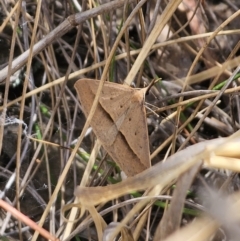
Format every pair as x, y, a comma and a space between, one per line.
55, 173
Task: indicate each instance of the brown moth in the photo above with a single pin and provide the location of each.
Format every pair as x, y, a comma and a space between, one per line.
119, 122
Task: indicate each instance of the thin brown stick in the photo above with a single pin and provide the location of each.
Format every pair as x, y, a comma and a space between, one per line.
59, 31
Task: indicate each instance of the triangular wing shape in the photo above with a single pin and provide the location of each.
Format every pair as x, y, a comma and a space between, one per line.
119, 122
100, 121
134, 128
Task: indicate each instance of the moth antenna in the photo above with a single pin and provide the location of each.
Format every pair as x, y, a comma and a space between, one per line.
151, 85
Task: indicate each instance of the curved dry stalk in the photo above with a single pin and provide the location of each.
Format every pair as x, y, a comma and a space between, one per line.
159, 176
154, 175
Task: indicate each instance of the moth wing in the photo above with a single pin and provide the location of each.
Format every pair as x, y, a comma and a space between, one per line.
115, 98
134, 129
124, 156
125, 107
100, 121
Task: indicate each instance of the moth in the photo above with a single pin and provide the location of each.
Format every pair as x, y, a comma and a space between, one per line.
119, 122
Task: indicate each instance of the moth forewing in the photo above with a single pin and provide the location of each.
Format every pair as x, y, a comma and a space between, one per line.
119, 103
134, 129
119, 122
